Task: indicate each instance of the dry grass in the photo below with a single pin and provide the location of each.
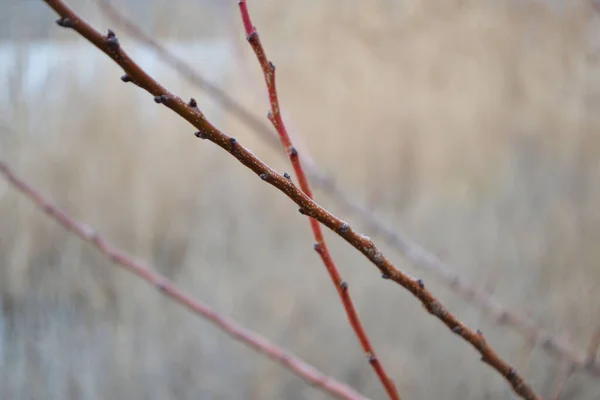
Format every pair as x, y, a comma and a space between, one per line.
473, 126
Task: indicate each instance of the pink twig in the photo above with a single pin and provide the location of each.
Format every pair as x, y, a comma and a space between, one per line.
164, 286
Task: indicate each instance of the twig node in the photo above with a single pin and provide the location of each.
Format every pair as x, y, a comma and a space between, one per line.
252, 36
200, 134
161, 99
111, 40
65, 22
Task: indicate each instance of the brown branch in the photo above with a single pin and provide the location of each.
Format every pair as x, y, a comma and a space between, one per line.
417, 255
259, 343
320, 245
109, 44
216, 93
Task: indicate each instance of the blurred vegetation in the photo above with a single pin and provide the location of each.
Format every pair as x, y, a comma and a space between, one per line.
470, 125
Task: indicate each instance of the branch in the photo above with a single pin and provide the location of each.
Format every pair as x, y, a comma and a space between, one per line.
418, 256
320, 246
109, 44
216, 93
259, 343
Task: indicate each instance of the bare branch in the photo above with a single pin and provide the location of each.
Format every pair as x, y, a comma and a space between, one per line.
320, 246
216, 93
418, 256
259, 343
111, 47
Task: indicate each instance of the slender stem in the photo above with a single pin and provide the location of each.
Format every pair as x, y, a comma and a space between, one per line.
320, 245
259, 343
109, 44
418, 256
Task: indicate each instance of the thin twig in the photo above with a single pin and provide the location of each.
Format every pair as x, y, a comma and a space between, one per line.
216, 93
109, 44
417, 255
259, 343
320, 245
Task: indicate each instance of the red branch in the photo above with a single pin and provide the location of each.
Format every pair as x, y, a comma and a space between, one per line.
418, 256
320, 246
109, 44
259, 343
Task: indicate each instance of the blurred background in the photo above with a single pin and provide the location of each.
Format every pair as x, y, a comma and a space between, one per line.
472, 126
